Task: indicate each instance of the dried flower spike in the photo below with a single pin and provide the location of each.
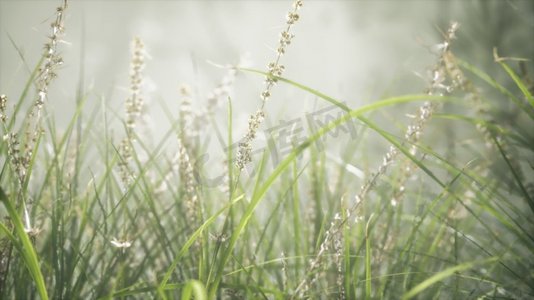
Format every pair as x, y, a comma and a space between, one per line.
47, 73
188, 181
134, 108
275, 69
134, 103
3, 109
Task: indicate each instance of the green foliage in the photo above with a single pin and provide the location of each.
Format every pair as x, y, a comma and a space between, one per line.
23, 245
448, 214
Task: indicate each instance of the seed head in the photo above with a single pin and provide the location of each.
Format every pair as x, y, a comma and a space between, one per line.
3, 108
274, 70
292, 17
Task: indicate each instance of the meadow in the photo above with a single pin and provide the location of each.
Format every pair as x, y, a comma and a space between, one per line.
413, 191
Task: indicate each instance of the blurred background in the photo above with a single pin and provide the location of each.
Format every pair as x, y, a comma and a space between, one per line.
354, 51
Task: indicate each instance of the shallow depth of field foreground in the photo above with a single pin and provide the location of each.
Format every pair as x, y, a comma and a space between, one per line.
266, 149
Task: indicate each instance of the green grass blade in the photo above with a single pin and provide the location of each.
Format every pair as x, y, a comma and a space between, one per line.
492, 82
518, 82
230, 154
443, 275
297, 226
517, 179
368, 255
24, 94
194, 289
28, 252
302, 87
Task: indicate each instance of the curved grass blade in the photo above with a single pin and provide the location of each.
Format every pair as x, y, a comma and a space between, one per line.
522, 187
482, 75
443, 275
26, 248
514, 76
194, 289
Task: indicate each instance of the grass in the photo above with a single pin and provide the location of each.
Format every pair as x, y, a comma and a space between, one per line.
437, 205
